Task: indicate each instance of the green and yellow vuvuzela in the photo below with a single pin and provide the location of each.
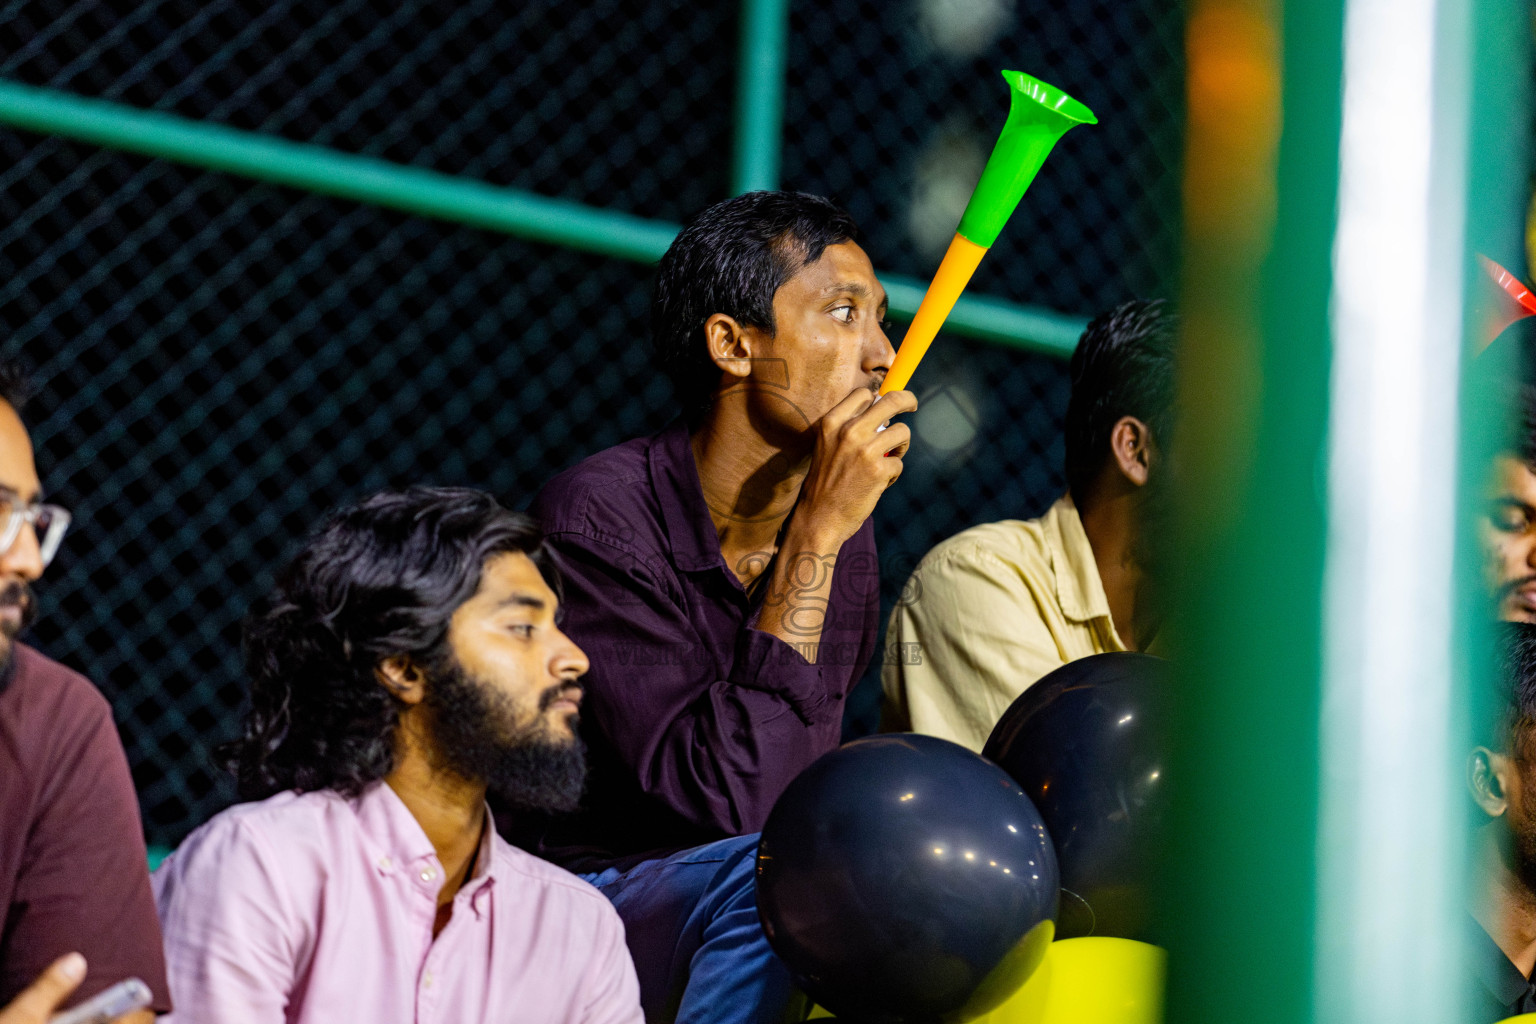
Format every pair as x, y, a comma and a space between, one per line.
1038, 115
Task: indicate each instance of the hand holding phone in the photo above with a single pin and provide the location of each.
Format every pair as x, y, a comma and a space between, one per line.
35, 1003
105, 1007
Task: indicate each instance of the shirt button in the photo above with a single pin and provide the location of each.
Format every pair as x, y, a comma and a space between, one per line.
426, 982
386, 863
427, 874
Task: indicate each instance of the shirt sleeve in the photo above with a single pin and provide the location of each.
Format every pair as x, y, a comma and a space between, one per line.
231, 939
84, 880
717, 750
611, 989
971, 638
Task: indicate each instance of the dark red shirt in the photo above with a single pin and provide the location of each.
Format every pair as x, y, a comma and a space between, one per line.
73, 875
694, 719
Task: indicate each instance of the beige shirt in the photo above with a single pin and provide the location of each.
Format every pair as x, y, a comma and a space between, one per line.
987, 613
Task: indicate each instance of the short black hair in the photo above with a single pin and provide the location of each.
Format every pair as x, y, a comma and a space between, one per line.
15, 384
378, 579
1520, 398
1514, 687
1123, 366
731, 259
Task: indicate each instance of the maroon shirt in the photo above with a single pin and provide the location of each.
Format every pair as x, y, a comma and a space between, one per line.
694, 720
73, 874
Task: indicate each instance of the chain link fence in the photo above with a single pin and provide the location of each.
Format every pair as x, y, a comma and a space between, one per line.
220, 361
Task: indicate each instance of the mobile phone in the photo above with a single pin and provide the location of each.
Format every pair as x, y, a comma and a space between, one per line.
124, 997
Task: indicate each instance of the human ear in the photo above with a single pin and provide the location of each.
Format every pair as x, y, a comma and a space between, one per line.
730, 345
1130, 444
1487, 777
399, 675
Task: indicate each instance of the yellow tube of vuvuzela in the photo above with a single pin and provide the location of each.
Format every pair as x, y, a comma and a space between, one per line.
954, 272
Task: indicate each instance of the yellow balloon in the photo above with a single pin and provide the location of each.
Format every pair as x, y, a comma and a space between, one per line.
1524, 1018
1092, 980
1028, 1004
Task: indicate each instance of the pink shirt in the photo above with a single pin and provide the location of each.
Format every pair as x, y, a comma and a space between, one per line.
316, 909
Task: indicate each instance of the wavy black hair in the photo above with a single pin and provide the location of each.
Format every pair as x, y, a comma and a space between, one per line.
731, 259
1514, 688
378, 579
1520, 401
1123, 366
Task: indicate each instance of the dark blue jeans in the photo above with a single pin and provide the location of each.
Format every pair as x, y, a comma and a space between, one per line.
699, 949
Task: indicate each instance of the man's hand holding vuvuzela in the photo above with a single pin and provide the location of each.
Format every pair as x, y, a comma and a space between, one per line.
849, 467
853, 463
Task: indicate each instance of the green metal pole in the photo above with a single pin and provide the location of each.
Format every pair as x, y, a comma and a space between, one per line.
1260, 185
760, 95
1435, 128
1392, 845
1331, 611
1027, 328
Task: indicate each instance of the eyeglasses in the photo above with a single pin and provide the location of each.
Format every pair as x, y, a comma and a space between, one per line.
49, 521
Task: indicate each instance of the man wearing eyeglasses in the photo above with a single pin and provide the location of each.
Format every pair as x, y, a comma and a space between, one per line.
73, 875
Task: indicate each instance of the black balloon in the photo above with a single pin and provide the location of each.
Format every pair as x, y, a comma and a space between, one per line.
1088, 743
905, 880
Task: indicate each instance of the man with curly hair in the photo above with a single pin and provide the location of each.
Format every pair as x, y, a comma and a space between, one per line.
408, 659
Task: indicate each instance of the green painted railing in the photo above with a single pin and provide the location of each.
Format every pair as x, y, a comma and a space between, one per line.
477, 204
760, 94
267, 158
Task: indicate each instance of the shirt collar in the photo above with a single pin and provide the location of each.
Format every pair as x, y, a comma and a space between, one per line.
1079, 590
1497, 973
400, 844
675, 479
480, 884
391, 828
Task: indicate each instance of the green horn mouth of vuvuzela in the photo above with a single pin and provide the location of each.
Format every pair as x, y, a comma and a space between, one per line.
1038, 115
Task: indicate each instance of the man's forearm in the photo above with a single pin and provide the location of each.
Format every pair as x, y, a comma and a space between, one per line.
795, 607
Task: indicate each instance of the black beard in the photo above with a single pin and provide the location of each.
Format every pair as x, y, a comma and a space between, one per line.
16, 593
1521, 861
522, 765
1154, 525
1150, 551
1519, 848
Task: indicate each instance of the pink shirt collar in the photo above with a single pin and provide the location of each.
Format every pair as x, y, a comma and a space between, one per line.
398, 843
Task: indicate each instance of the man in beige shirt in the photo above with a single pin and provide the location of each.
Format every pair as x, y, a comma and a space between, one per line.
993, 609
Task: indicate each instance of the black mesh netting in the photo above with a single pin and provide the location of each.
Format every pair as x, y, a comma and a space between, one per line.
220, 361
